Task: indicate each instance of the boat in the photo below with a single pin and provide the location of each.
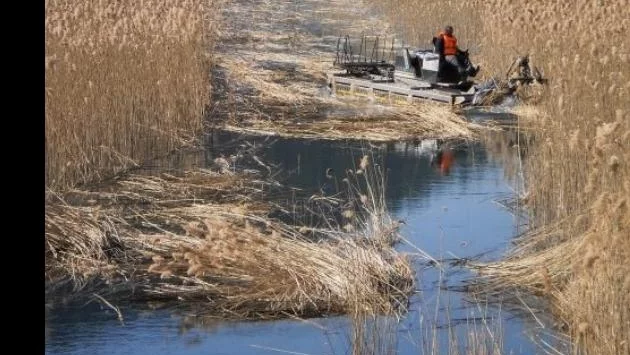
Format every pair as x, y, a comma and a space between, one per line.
415, 74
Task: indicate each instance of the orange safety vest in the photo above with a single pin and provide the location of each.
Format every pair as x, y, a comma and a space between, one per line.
450, 43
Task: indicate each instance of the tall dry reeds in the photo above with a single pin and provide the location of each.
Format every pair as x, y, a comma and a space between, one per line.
125, 81
418, 21
577, 173
577, 168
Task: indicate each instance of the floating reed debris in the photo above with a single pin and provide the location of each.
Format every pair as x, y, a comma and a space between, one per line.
178, 239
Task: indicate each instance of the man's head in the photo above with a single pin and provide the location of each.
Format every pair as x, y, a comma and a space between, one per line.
448, 30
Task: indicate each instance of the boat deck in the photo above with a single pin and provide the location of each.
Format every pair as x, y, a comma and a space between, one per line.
402, 87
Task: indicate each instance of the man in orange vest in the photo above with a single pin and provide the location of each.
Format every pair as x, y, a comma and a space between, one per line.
446, 45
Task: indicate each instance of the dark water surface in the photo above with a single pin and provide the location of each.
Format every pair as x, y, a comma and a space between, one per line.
454, 215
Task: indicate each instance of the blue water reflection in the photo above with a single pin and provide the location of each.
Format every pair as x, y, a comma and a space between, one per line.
454, 215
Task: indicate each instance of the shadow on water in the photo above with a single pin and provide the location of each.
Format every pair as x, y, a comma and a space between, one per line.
451, 215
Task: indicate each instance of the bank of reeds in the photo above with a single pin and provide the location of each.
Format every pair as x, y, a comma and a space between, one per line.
577, 170
577, 173
125, 81
174, 239
416, 22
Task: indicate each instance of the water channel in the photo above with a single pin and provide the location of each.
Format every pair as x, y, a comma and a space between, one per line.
448, 215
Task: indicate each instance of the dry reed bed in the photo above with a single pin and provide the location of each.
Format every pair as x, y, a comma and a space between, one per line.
378, 124
172, 238
126, 81
273, 77
577, 168
83, 227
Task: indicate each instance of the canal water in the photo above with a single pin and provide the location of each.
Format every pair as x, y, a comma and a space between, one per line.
447, 215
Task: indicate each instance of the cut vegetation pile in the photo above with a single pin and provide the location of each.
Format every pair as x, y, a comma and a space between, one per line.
577, 172
175, 238
270, 77
376, 124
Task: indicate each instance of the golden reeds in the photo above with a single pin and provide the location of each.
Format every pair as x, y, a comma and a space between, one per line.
576, 171
125, 82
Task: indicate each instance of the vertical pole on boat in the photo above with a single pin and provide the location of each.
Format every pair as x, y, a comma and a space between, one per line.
374, 49
383, 51
337, 56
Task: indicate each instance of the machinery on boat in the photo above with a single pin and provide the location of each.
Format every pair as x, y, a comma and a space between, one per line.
386, 71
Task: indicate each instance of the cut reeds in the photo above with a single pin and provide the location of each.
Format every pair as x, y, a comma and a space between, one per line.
179, 239
272, 82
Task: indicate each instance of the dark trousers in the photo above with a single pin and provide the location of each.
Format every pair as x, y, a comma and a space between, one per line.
452, 59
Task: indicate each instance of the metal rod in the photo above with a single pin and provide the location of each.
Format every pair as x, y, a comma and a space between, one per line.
337, 57
373, 49
383, 51
361, 47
